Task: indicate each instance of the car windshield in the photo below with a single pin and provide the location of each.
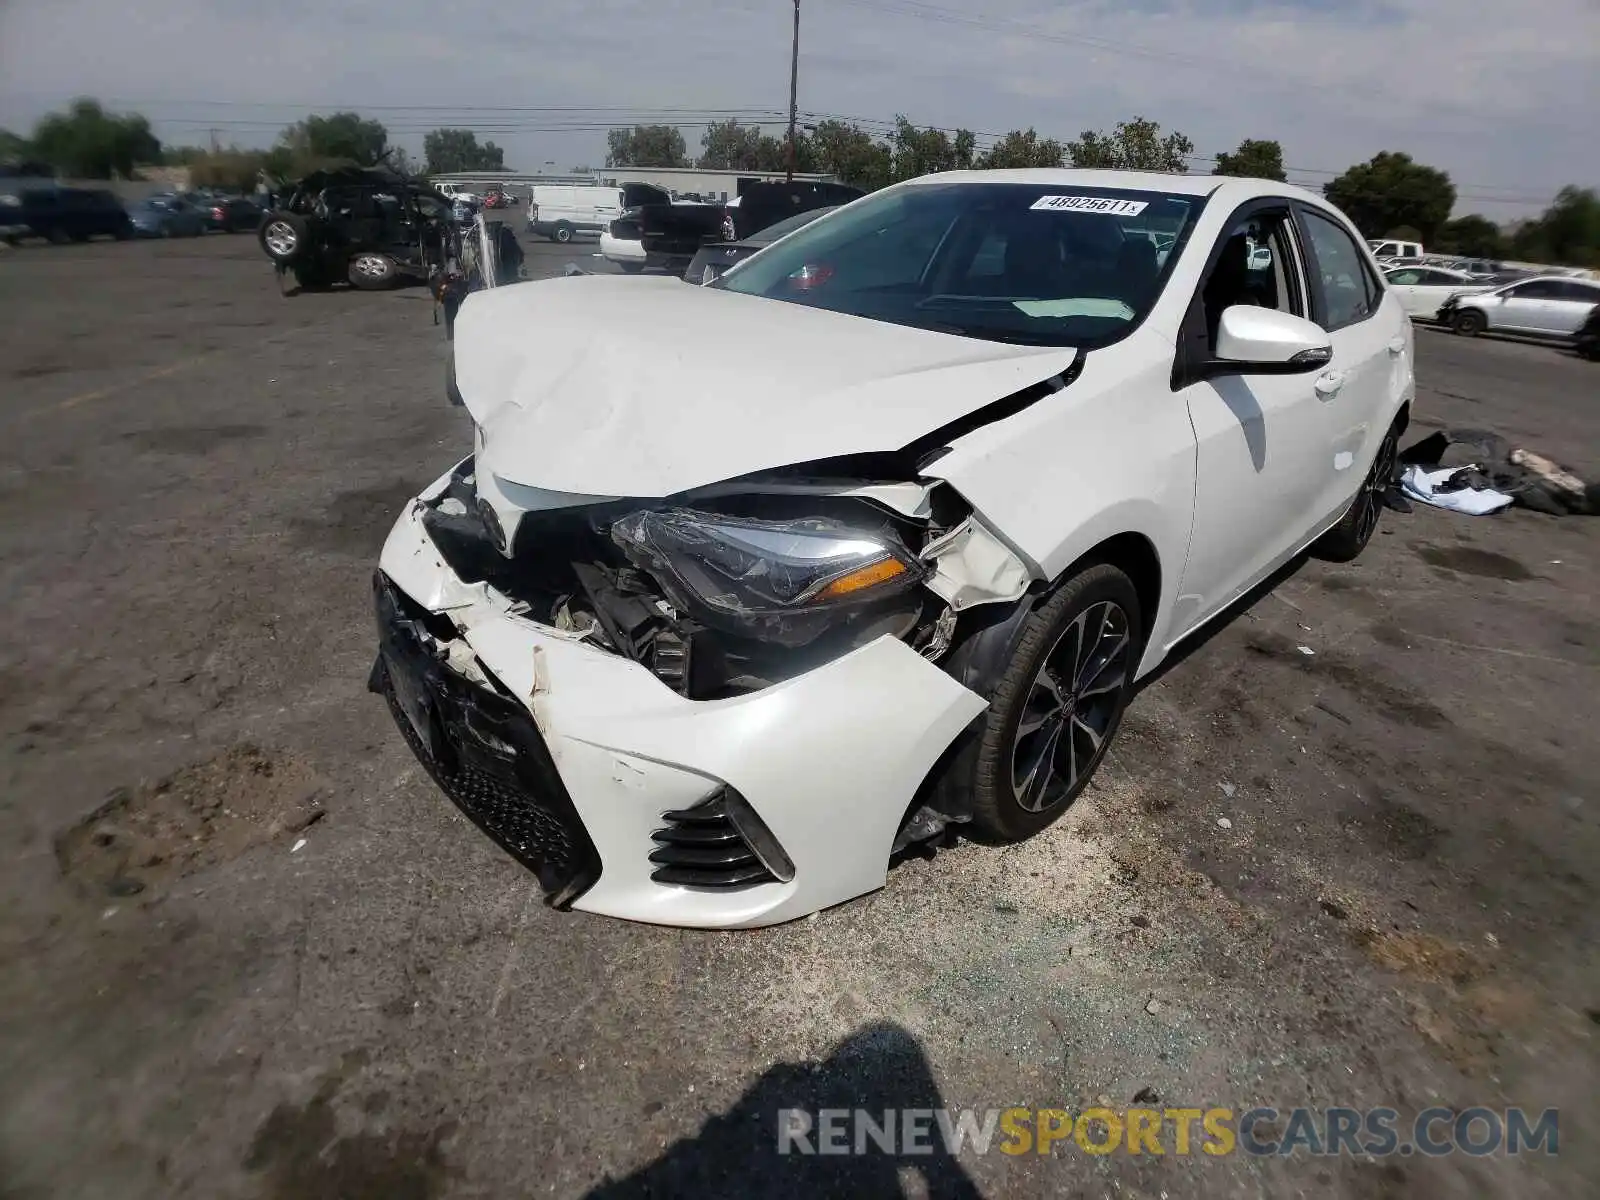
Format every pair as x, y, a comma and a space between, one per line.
783, 228
1038, 264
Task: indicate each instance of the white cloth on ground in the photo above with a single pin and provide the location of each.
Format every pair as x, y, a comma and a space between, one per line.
1421, 484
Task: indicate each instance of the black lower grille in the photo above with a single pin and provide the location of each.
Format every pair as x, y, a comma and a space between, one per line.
484, 752
699, 847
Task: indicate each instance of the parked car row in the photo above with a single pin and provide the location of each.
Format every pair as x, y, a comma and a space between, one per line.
45, 209
1544, 306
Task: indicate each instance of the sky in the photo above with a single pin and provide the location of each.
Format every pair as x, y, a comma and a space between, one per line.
1501, 95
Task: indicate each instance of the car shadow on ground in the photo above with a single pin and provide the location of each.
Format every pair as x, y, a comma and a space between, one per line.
736, 1153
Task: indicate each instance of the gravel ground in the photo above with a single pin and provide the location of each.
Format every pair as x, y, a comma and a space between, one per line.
249, 950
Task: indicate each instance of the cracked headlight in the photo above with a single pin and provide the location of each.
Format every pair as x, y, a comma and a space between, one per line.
782, 581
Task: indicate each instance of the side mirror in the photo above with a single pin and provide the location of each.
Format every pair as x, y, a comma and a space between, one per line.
1264, 341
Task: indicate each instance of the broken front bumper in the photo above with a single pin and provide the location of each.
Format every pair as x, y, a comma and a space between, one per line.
599, 755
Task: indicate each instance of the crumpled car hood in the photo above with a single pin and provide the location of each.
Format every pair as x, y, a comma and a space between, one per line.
645, 387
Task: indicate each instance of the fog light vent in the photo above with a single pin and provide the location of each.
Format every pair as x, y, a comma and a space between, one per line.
719, 843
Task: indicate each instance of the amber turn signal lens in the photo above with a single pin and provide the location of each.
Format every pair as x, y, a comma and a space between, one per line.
862, 577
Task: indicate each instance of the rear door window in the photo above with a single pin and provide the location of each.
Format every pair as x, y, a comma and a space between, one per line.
1341, 280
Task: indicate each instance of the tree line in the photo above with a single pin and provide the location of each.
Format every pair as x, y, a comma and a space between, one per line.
1390, 195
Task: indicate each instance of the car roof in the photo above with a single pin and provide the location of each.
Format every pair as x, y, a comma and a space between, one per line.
1144, 181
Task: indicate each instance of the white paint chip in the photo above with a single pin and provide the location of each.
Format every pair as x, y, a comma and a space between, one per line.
1306, 650
300, 845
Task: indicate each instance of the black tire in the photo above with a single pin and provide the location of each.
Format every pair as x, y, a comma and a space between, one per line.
123, 233
1350, 536
1029, 655
632, 268
452, 393
58, 237
562, 233
1469, 322
284, 237
373, 272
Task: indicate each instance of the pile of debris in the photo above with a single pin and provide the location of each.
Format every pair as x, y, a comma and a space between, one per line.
1477, 472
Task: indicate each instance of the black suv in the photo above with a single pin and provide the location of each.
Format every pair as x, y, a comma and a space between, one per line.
41, 208
369, 226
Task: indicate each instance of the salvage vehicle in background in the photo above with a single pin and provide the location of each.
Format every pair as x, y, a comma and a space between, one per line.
1550, 306
1397, 250
622, 240
166, 216
746, 587
231, 214
1422, 290
672, 234
369, 226
717, 258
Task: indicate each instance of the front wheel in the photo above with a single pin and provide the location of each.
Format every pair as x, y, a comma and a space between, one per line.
563, 233
1350, 536
1066, 679
1469, 322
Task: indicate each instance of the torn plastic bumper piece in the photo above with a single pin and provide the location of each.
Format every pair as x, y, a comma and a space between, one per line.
483, 750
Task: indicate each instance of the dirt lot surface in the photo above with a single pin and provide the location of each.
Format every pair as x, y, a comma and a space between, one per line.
248, 950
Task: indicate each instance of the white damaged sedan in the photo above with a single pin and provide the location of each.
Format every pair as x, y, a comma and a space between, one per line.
745, 587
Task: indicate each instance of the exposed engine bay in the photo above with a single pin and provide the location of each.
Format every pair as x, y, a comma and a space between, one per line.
732, 589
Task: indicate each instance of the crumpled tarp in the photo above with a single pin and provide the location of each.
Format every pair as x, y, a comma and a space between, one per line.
1478, 460
1452, 488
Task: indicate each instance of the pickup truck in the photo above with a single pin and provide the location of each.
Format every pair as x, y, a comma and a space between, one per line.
672, 234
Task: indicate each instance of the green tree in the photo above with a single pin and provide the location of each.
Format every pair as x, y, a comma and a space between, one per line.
1471, 236
1568, 232
342, 137
88, 142
926, 151
730, 146
1136, 145
1022, 148
233, 169
646, 146
1391, 190
851, 154
12, 146
452, 150
1253, 160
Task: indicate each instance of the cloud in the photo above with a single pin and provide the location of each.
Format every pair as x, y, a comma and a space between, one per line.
1500, 103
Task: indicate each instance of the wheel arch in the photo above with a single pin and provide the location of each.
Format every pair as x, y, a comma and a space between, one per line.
1135, 555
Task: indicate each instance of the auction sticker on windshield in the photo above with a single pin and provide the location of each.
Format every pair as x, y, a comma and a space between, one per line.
1095, 204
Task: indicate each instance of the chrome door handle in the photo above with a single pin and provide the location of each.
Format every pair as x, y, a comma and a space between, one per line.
1328, 384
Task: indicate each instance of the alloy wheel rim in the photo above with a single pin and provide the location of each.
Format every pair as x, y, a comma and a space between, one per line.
1372, 491
370, 264
1070, 706
280, 237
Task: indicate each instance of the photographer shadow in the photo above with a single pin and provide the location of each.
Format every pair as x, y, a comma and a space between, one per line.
736, 1154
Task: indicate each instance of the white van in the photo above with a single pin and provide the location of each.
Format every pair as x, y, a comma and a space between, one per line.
561, 211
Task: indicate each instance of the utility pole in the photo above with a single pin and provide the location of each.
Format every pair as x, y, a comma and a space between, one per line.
794, 87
